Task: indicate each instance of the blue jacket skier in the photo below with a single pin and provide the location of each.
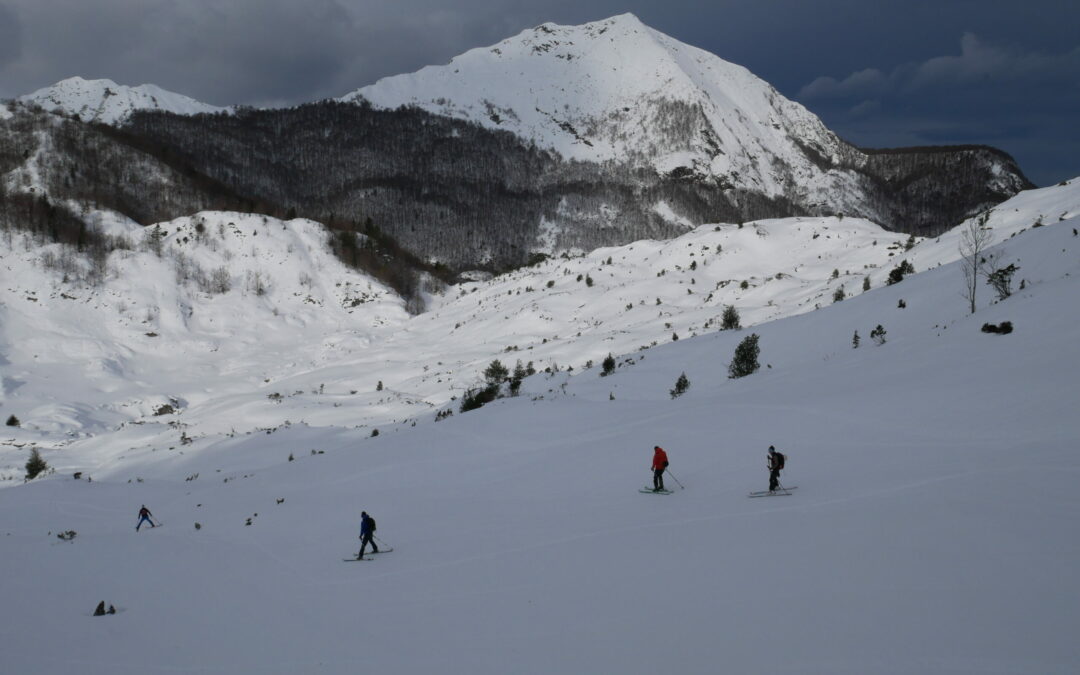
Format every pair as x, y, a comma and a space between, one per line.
144, 517
367, 532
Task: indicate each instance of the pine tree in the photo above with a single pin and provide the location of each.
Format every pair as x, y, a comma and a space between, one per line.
730, 318
896, 275
838, 295
878, 335
516, 378
35, 465
866, 283
608, 366
745, 361
681, 385
13, 421
855, 341
496, 373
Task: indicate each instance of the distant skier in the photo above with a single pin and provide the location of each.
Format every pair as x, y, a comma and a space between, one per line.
659, 465
144, 517
367, 532
775, 463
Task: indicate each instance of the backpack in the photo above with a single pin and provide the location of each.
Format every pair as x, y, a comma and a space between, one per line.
371, 521
781, 458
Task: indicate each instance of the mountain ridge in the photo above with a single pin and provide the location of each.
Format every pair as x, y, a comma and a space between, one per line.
463, 165
107, 102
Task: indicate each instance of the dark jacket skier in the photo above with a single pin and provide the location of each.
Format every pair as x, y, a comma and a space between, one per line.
775, 462
367, 532
659, 465
144, 517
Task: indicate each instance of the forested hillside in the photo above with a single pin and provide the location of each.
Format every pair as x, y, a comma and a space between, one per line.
433, 190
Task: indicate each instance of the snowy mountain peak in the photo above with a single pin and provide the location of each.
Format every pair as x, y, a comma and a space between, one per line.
111, 103
617, 89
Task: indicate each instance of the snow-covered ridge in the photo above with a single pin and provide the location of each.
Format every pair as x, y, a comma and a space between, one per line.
617, 89
110, 103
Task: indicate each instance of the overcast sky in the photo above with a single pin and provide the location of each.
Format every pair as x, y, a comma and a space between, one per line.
881, 73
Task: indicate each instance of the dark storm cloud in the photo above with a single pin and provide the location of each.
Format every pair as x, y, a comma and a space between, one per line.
978, 65
221, 52
10, 37
986, 94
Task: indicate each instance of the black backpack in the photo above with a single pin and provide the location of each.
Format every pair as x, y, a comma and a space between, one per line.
782, 459
372, 521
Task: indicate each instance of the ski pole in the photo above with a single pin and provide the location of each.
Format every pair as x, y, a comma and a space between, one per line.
668, 472
381, 541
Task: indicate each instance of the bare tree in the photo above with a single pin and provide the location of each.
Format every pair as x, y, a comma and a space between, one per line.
974, 239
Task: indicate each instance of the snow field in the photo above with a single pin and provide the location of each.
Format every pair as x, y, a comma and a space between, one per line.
930, 532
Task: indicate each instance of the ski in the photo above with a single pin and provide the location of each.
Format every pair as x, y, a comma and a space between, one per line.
656, 492
786, 492
369, 554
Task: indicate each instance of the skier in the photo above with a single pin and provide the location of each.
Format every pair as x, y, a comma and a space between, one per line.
775, 463
144, 517
659, 465
367, 531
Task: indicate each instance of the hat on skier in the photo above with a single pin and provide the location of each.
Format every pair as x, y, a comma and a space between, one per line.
772, 448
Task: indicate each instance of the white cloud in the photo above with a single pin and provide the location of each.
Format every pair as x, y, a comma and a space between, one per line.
978, 62
858, 83
868, 107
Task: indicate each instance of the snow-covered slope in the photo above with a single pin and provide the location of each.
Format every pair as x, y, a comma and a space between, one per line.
929, 532
212, 325
233, 302
110, 103
615, 89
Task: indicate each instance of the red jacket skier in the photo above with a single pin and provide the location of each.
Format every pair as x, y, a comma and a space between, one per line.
659, 465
